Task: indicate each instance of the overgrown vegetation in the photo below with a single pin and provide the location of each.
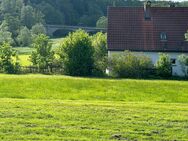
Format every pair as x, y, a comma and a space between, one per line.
43, 56
183, 60
130, 65
164, 66
99, 43
81, 54
76, 54
7, 63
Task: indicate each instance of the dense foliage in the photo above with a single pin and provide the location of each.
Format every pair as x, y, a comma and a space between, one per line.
77, 12
83, 12
8, 59
99, 43
69, 12
164, 66
183, 60
102, 22
130, 65
43, 56
77, 53
15, 15
25, 38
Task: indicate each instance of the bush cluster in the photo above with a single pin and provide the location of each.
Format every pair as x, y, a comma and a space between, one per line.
81, 54
183, 60
134, 65
129, 65
8, 59
43, 56
164, 66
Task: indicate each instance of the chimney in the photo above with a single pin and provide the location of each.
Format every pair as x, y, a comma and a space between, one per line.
147, 14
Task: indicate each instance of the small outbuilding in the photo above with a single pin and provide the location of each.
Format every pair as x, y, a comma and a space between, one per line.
150, 30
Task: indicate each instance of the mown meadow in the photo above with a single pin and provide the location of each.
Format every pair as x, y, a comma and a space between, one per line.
42, 107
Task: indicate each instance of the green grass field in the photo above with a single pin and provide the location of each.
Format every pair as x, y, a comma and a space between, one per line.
24, 60
56, 42
41, 107
23, 54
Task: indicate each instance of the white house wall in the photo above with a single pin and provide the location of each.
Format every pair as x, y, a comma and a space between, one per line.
176, 70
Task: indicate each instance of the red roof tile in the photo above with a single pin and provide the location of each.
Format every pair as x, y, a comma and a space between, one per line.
129, 30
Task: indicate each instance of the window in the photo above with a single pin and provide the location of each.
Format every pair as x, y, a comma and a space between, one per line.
163, 36
173, 61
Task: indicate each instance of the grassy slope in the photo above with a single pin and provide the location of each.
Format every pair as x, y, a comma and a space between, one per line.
66, 108
68, 88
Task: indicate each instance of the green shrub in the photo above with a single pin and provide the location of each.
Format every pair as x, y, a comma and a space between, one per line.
129, 65
5, 35
102, 22
164, 66
24, 38
7, 63
38, 29
76, 53
183, 60
43, 56
99, 42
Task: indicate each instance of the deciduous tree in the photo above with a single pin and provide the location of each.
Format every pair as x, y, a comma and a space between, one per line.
43, 56
76, 53
7, 63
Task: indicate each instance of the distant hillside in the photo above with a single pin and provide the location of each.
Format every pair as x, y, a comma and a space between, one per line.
21, 18
77, 12
83, 12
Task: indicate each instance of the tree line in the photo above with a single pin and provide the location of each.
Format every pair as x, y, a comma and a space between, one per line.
84, 12
18, 21
81, 54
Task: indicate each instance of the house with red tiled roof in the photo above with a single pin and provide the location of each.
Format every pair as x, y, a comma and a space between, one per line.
150, 30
